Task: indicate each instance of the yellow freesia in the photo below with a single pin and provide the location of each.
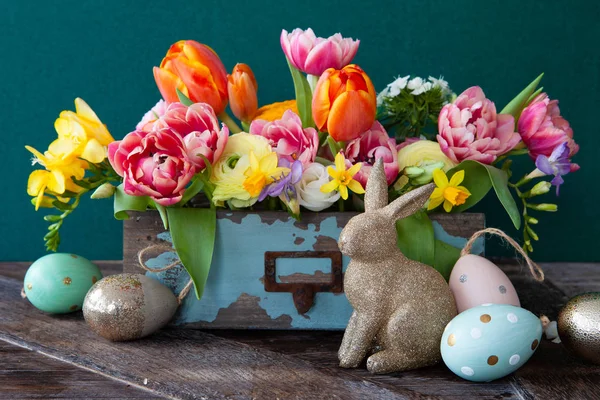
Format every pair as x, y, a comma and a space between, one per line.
81, 136
85, 130
262, 172
448, 192
342, 178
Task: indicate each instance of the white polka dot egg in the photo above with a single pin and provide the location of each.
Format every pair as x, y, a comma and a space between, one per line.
490, 341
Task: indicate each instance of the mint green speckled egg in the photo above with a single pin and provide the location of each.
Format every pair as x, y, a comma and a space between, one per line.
57, 283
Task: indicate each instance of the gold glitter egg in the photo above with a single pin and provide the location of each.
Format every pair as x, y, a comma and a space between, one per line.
579, 326
128, 306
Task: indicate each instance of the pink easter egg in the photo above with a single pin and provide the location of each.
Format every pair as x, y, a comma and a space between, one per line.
475, 281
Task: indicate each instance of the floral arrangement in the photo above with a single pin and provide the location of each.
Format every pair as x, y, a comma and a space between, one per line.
312, 153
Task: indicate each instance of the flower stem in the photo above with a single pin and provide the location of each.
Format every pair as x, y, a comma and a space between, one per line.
231, 124
341, 204
334, 146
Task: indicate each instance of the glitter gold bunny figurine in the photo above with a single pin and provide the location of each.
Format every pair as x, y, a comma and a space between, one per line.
400, 306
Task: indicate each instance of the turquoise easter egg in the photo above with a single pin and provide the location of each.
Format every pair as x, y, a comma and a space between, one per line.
490, 341
57, 283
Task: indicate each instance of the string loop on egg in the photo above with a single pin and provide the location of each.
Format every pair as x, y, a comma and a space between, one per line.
536, 270
173, 264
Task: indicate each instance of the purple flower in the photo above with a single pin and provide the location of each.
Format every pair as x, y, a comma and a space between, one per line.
284, 186
558, 164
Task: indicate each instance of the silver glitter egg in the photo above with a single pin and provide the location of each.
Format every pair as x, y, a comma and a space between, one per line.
579, 326
128, 306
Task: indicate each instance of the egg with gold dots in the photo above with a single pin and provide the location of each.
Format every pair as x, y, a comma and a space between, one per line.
57, 283
490, 341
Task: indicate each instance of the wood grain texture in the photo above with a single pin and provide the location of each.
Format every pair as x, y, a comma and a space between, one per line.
178, 364
25, 374
285, 364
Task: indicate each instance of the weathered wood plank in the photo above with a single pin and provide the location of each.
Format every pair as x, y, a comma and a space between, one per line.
179, 363
27, 374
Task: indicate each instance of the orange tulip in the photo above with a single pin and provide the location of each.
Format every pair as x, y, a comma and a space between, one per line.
197, 71
344, 103
242, 87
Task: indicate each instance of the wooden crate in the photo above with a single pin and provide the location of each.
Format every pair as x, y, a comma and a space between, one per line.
267, 267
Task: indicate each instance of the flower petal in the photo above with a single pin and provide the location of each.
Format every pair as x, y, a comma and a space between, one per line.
440, 178
356, 187
457, 178
330, 186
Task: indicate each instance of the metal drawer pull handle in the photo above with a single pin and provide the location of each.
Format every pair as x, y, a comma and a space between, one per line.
303, 293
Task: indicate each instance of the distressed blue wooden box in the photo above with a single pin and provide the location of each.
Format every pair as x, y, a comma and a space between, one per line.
300, 254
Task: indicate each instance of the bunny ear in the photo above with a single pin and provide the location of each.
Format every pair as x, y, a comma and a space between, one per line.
409, 203
376, 194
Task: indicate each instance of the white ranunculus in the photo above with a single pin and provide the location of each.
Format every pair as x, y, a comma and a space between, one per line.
309, 188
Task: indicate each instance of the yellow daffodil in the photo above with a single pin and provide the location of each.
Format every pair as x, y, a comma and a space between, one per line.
342, 178
262, 172
449, 193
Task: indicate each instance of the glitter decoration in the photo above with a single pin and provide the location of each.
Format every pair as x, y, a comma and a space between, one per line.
502, 289
67, 281
463, 278
492, 360
410, 334
485, 318
574, 326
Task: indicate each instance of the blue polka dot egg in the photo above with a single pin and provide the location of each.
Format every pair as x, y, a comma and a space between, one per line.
490, 341
57, 283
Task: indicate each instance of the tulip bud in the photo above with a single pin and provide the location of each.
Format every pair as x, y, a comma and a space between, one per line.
543, 207
539, 189
241, 88
104, 191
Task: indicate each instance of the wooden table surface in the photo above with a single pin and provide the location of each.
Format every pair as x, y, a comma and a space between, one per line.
44, 356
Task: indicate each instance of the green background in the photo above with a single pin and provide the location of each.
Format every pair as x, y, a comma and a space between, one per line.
104, 51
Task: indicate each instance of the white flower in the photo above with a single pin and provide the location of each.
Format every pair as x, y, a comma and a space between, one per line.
309, 188
415, 83
382, 95
441, 83
396, 87
422, 89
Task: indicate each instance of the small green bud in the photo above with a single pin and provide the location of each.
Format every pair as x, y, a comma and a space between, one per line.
413, 172
540, 188
104, 191
543, 207
532, 233
532, 220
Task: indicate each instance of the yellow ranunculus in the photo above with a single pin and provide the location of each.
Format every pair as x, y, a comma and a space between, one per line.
423, 150
85, 130
229, 172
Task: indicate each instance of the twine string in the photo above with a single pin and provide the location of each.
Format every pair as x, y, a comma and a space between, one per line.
161, 247
536, 270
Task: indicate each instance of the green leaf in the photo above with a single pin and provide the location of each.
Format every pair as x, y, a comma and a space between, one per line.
478, 179
193, 231
192, 190
62, 206
516, 105
415, 237
125, 202
303, 96
52, 218
183, 99
163, 214
445, 258
534, 95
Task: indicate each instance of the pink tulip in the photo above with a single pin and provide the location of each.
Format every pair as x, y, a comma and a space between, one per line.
470, 129
200, 129
152, 116
370, 146
288, 139
543, 129
313, 55
152, 164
